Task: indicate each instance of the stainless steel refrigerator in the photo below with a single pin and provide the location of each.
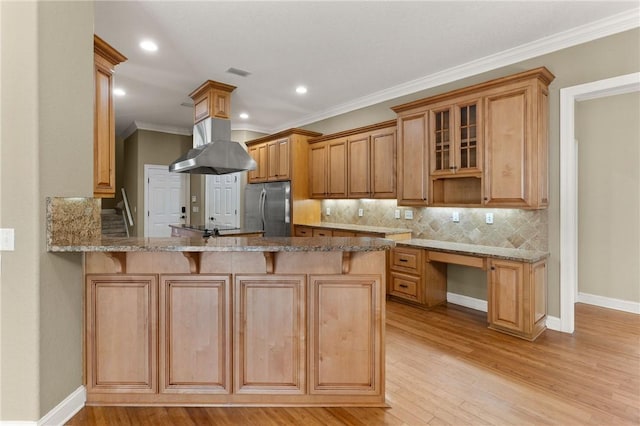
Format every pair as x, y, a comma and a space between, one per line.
267, 206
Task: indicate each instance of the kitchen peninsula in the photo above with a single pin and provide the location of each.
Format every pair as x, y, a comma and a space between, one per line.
229, 320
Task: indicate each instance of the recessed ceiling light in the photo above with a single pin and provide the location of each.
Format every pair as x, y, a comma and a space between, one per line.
119, 92
244, 115
301, 90
148, 45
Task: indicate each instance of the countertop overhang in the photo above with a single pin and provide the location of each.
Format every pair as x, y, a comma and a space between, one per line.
227, 244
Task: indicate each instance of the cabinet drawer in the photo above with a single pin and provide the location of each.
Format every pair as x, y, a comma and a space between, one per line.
322, 232
303, 231
340, 233
406, 260
405, 286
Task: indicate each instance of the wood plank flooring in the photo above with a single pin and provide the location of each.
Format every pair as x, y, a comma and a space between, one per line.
445, 367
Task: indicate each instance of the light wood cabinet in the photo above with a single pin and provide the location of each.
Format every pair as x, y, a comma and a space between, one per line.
212, 99
483, 146
413, 277
270, 334
517, 144
346, 322
328, 168
357, 163
121, 333
320, 232
517, 297
413, 157
195, 334
278, 159
104, 151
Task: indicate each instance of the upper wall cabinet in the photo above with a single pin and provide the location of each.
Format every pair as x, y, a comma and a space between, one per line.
481, 146
357, 163
105, 58
212, 99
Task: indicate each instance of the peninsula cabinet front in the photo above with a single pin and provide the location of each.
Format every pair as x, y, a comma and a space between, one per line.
308, 334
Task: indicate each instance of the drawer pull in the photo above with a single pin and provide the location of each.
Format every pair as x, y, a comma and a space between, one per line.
403, 260
403, 286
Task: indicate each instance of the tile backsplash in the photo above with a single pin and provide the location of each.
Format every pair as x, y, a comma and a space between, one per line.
512, 228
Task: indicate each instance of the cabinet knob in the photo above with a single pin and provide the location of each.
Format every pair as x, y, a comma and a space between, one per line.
485, 198
493, 268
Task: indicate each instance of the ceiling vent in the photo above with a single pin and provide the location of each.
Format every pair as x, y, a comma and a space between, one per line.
236, 71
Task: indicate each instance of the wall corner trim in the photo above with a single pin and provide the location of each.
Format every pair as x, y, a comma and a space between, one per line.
554, 323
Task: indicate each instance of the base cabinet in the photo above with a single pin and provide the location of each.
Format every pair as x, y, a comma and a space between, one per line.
232, 337
412, 277
195, 334
269, 334
517, 297
346, 325
121, 333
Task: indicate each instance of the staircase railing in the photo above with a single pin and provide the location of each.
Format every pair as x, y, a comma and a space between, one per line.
128, 223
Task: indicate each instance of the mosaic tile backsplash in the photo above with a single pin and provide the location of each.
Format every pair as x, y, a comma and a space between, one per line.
511, 228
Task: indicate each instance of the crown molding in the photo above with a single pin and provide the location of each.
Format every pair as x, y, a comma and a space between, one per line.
592, 31
141, 125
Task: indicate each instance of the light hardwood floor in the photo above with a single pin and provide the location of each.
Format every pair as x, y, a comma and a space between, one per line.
445, 367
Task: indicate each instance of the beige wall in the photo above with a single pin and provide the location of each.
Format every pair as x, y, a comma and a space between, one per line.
607, 57
608, 134
47, 144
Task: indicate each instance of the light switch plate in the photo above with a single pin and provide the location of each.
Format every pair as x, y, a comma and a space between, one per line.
193, 198
195, 209
489, 218
328, 211
455, 216
408, 214
397, 214
360, 212
7, 239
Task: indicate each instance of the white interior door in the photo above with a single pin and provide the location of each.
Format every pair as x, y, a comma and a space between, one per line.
222, 204
166, 196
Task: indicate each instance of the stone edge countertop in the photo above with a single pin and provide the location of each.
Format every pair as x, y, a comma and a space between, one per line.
235, 244
519, 255
358, 228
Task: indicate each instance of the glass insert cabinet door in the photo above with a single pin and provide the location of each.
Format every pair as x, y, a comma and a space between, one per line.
455, 139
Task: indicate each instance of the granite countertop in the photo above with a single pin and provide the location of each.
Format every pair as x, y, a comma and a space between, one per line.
359, 228
476, 250
237, 244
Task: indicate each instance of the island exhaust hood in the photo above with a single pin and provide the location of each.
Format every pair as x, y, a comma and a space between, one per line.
213, 152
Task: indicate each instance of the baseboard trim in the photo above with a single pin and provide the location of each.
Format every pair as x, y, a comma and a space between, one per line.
62, 412
609, 302
554, 323
467, 302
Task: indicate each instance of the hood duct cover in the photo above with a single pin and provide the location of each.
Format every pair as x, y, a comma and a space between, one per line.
213, 153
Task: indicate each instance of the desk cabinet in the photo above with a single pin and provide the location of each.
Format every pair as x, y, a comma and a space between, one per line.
412, 277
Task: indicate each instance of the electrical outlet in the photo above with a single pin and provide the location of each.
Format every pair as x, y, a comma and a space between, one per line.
397, 214
455, 216
408, 214
489, 218
360, 212
328, 211
7, 238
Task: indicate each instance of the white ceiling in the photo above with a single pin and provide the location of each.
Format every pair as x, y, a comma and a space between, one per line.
348, 54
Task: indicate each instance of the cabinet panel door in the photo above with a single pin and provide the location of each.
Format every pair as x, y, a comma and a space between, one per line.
506, 288
272, 161
358, 167
195, 334
345, 326
412, 160
269, 334
104, 133
253, 174
121, 333
337, 169
282, 171
318, 170
507, 140
263, 162
383, 164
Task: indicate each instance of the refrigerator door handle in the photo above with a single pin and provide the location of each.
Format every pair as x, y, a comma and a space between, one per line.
263, 197
287, 204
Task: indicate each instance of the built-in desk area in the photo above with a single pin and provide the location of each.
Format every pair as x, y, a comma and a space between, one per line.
516, 279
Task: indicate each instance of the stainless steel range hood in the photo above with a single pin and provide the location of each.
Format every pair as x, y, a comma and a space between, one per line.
213, 153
